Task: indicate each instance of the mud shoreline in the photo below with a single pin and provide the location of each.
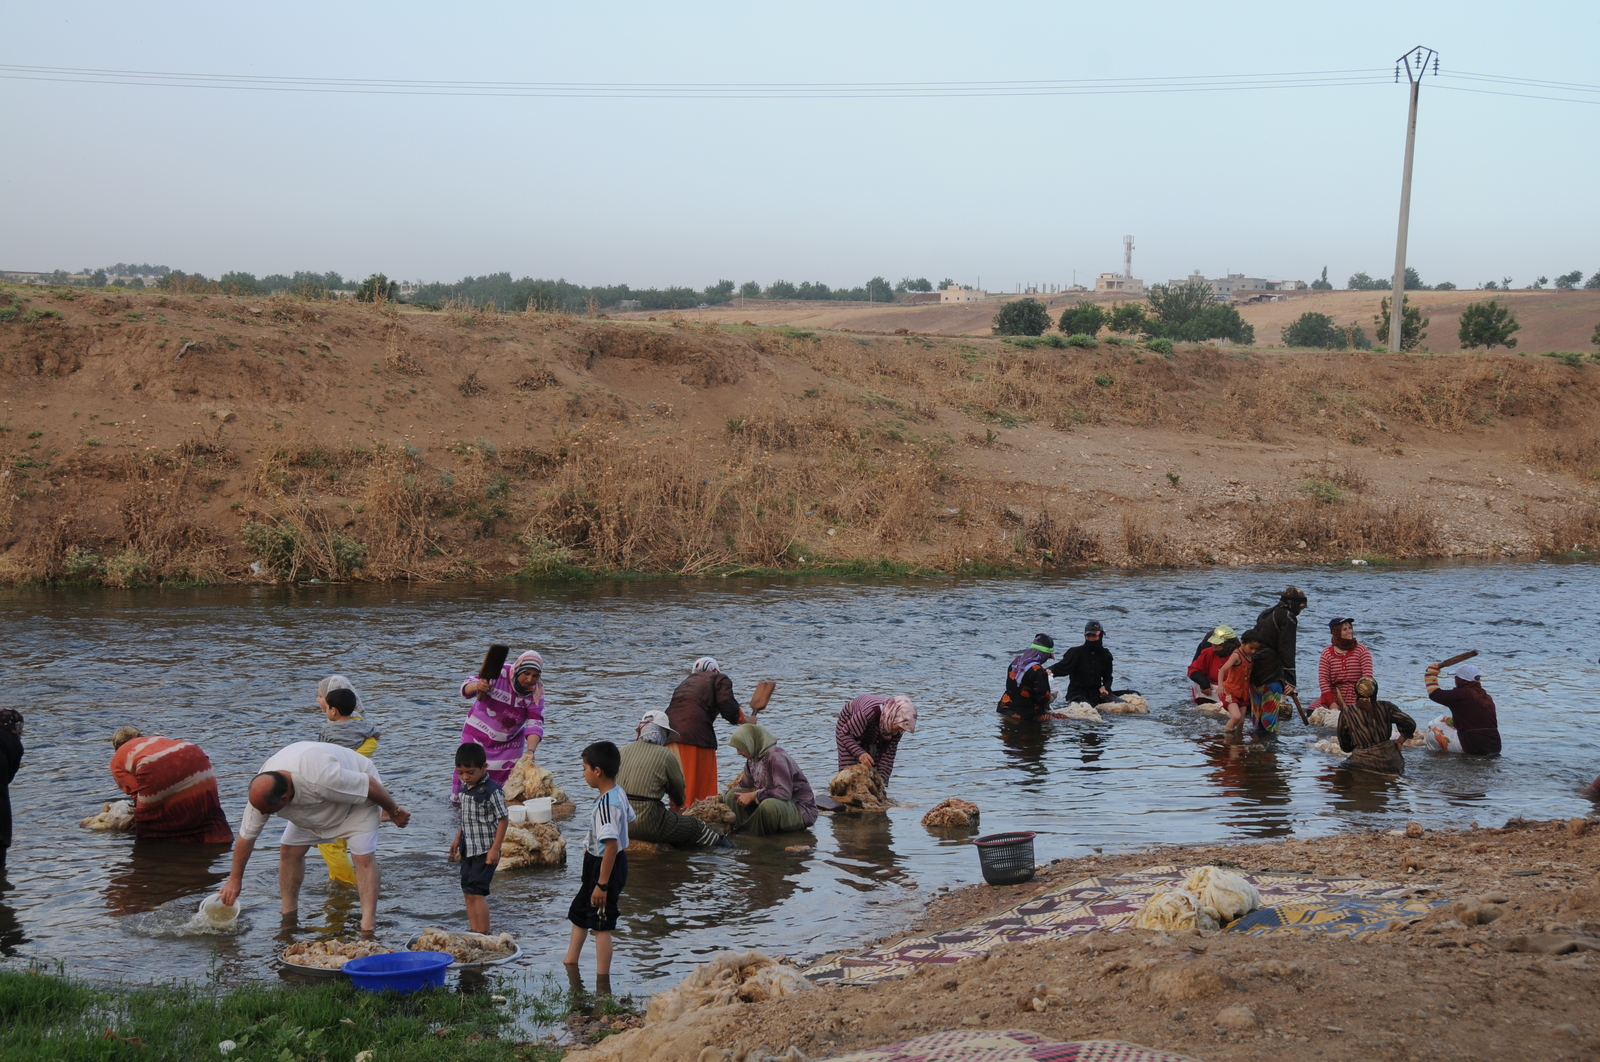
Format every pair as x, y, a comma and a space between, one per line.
1456, 984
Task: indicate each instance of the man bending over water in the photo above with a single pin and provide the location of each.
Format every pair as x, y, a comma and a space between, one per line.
326, 792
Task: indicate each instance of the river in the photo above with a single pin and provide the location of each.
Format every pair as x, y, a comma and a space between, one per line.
236, 669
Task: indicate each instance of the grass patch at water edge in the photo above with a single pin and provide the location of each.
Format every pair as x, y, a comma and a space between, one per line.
46, 1017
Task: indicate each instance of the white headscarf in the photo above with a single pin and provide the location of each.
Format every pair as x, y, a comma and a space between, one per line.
705, 663
338, 682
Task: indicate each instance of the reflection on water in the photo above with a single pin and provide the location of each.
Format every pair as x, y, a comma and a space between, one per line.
614, 650
153, 873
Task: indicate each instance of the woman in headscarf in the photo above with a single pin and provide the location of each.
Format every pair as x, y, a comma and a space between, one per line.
173, 787
1027, 694
507, 715
1343, 663
776, 797
692, 714
648, 773
1204, 669
1364, 729
10, 760
869, 731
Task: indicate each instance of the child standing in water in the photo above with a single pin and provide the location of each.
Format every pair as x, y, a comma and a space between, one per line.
483, 829
344, 727
605, 862
1234, 678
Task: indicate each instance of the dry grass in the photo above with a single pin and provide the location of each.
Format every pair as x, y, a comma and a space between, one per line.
1308, 525
1067, 541
1575, 452
1147, 548
1575, 529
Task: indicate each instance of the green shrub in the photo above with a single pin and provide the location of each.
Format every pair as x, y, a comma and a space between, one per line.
127, 568
1104, 381
1024, 317
1161, 345
1566, 357
1324, 490
1083, 318
82, 565
277, 546
1485, 324
1127, 317
1079, 339
9, 313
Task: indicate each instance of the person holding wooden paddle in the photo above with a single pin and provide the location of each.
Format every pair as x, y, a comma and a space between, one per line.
507, 713
1472, 720
692, 714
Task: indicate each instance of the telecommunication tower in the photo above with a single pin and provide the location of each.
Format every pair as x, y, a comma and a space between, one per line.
1127, 256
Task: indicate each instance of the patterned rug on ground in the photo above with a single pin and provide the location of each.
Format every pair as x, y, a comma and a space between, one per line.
1008, 1046
1288, 901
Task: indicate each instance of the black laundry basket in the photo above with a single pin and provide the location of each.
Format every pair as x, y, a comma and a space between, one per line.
1006, 858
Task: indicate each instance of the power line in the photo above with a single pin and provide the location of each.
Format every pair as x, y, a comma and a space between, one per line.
698, 90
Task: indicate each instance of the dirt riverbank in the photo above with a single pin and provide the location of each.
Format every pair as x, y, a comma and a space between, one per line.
1466, 982
149, 438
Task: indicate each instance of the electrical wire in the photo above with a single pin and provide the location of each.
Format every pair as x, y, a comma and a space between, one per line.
707, 90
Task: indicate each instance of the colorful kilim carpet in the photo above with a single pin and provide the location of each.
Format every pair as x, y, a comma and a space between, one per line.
1288, 901
1008, 1046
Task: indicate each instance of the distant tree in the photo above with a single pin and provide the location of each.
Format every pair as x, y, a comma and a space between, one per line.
97, 279
1413, 281
1541, 282
781, 289
1568, 281
1190, 311
1362, 282
1313, 330
1324, 284
378, 288
721, 291
1487, 324
1024, 317
1594, 337
948, 283
1505, 283
1413, 326
750, 290
143, 269
813, 292
878, 290
1444, 285
919, 284
1491, 285
1082, 319
241, 284
1594, 281
1126, 317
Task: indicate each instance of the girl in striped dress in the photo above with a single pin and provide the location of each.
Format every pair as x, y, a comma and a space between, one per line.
507, 716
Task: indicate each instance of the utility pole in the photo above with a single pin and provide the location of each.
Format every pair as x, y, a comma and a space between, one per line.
1415, 63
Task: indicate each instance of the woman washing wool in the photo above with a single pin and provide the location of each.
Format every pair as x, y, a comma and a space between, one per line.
1027, 694
506, 716
648, 773
692, 713
777, 797
1364, 729
869, 730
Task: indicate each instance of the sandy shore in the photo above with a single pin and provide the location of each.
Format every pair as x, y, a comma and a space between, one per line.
1446, 987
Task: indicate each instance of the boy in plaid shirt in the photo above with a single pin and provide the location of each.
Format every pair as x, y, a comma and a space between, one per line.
483, 828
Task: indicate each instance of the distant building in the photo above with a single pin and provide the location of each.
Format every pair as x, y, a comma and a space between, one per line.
1235, 284
962, 293
628, 305
1119, 284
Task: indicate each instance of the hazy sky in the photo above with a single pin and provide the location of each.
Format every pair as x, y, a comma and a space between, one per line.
671, 191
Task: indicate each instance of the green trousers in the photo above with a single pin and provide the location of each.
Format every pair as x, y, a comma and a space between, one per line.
770, 816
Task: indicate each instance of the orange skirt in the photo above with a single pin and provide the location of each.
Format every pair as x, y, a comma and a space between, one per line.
699, 771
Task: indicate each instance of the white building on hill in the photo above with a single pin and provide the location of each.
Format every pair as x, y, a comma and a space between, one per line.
1118, 283
962, 293
1235, 284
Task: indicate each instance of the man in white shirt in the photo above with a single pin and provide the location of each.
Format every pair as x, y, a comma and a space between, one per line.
326, 792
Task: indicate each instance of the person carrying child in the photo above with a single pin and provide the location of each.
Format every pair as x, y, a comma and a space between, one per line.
483, 829
605, 860
345, 727
1234, 678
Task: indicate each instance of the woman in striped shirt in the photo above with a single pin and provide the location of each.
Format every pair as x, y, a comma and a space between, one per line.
1344, 663
173, 787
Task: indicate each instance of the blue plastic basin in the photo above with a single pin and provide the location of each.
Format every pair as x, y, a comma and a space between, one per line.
401, 971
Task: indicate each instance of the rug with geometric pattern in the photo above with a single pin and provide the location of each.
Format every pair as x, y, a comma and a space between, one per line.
1288, 902
1007, 1046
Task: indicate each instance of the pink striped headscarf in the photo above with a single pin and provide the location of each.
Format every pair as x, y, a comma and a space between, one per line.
900, 714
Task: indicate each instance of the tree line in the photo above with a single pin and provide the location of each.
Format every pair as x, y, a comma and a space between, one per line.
1189, 312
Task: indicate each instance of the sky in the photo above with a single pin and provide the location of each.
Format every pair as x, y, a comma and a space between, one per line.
665, 191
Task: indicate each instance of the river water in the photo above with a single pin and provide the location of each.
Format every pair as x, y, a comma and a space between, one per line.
236, 670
